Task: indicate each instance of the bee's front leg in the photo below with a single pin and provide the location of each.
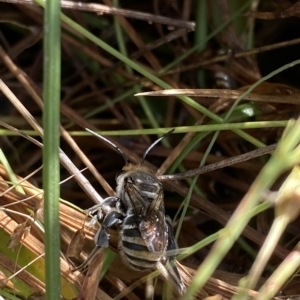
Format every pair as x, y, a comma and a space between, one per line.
102, 237
108, 204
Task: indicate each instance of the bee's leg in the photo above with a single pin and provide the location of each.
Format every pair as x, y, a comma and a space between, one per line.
112, 218
108, 204
172, 245
166, 270
113, 202
171, 260
101, 237
86, 263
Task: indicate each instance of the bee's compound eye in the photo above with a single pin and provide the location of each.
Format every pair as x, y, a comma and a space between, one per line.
129, 179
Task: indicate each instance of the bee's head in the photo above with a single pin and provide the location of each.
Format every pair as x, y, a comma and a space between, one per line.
127, 163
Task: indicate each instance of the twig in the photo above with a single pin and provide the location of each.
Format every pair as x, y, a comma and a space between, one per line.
221, 164
103, 9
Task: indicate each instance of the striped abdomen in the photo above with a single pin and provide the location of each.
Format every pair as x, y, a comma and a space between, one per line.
134, 249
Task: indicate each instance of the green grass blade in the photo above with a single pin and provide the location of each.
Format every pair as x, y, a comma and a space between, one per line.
278, 163
51, 122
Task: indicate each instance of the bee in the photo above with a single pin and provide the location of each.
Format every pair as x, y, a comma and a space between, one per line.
146, 233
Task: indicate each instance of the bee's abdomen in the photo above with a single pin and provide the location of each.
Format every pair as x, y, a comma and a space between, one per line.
134, 249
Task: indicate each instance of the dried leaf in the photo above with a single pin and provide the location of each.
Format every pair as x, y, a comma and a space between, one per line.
76, 244
20, 231
273, 93
4, 282
39, 211
89, 287
26, 231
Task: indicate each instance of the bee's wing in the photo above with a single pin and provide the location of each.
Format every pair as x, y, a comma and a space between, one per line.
153, 232
157, 204
153, 226
150, 218
137, 202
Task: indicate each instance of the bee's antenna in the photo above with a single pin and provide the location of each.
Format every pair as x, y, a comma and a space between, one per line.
153, 144
108, 142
